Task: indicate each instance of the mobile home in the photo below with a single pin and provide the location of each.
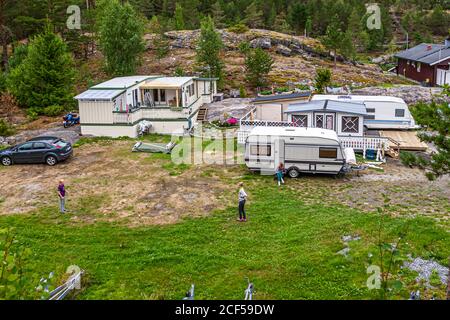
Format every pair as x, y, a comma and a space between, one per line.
116, 107
312, 150
382, 112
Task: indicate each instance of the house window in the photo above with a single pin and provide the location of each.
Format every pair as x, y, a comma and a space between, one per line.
162, 95
261, 150
328, 153
369, 117
400, 113
370, 110
300, 120
350, 124
191, 90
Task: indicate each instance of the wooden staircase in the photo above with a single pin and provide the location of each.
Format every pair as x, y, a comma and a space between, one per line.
201, 115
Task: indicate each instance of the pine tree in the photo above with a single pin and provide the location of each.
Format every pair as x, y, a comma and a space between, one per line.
435, 120
209, 48
179, 18
159, 43
297, 17
218, 15
333, 37
46, 76
347, 48
253, 16
322, 79
281, 24
258, 64
272, 17
120, 38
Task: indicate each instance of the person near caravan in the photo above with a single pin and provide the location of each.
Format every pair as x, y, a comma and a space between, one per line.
280, 173
242, 198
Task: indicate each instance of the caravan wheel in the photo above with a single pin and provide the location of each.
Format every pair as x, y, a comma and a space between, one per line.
293, 173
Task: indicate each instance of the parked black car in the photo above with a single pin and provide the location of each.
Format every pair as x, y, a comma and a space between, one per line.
49, 150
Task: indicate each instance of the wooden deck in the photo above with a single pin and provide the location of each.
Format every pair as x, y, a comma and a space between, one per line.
408, 140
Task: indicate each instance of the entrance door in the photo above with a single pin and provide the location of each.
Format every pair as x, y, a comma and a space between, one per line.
279, 152
325, 120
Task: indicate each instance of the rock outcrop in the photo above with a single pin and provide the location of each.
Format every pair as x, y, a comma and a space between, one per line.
411, 94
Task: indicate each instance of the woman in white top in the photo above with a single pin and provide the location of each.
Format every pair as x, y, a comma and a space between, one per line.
242, 199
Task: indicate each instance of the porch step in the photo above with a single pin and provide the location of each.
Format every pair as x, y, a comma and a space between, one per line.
201, 115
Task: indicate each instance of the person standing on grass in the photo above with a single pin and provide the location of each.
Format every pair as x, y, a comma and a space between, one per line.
242, 199
280, 173
62, 196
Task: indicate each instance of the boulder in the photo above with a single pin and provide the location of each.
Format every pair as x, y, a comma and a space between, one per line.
283, 50
263, 43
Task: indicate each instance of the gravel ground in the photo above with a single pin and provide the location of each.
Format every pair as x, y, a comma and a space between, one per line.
71, 134
425, 268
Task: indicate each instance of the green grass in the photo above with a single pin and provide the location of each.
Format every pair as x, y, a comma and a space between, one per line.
287, 248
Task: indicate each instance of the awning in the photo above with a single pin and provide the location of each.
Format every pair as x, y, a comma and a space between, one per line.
328, 105
165, 83
99, 95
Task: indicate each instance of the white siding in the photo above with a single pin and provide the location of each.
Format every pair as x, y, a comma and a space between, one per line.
96, 111
110, 131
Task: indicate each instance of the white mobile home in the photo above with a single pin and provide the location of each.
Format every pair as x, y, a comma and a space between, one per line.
382, 112
312, 150
115, 108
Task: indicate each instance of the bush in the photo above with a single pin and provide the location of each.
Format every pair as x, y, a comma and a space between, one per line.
238, 28
53, 111
242, 92
6, 129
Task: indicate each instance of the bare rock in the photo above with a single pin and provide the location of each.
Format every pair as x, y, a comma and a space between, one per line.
263, 43
283, 50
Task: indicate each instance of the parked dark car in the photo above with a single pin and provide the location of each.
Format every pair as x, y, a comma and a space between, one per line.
49, 150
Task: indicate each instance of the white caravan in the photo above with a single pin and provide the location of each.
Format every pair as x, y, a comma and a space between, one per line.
382, 112
312, 150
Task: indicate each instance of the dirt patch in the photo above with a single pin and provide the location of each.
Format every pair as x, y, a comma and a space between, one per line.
409, 191
104, 185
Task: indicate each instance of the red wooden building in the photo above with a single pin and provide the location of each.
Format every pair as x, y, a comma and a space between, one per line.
426, 63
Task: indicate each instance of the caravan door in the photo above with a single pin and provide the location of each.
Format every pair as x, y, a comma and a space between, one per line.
279, 152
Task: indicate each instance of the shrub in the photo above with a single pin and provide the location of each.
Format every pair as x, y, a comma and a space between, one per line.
53, 111
242, 92
238, 28
6, 129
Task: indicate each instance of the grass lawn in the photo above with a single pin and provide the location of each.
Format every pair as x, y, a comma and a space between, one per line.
287, 248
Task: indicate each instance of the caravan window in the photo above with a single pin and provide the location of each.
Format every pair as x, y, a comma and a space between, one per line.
400, 113
328, 153
261, 150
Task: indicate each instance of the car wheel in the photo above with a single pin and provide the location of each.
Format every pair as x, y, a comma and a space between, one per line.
51, 160
293, 173
6, 161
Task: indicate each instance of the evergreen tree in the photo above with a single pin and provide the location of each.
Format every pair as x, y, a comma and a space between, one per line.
258, 64
120, 37
272, 17
435, 119
333, 37
253, 16
179, 17
218, 15
159, 43
347, 48
297, 17
209, 48
46, 76
281, 24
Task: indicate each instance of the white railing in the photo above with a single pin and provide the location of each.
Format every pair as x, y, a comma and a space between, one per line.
356, 143
365, 143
